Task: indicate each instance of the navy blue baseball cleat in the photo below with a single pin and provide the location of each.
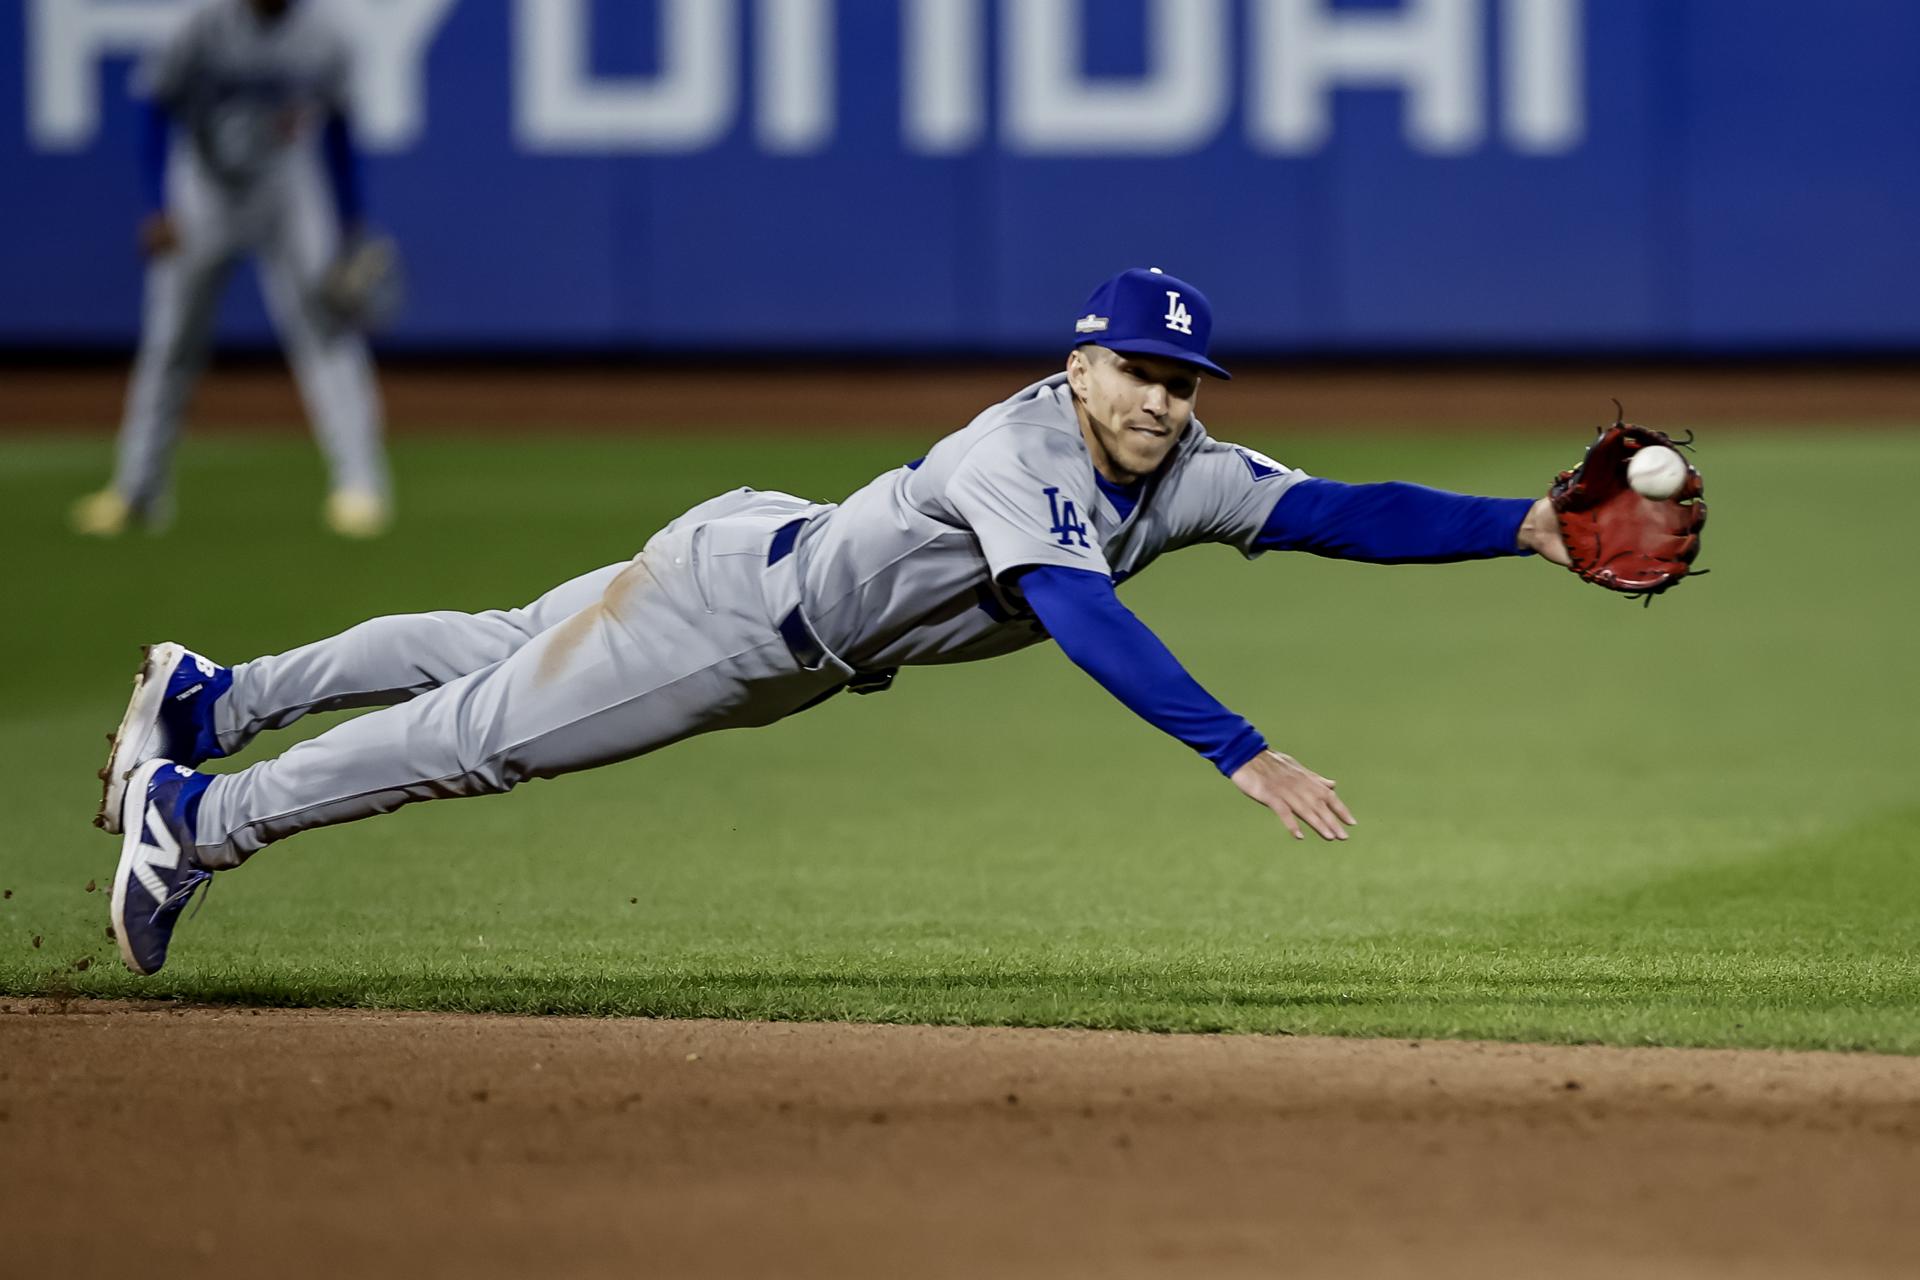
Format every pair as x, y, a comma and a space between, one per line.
169, 717
157, 874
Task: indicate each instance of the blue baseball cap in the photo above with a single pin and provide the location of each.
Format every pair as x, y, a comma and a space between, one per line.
1148, 312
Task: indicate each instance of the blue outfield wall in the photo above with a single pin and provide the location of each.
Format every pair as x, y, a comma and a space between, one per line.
920, 175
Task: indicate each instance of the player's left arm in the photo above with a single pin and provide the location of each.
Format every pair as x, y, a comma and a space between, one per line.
344, 172
158, 236
1400, 523
338, 147
363, 287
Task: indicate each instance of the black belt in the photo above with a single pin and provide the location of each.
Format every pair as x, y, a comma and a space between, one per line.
783, 539
798, 634
805, 646
806, 650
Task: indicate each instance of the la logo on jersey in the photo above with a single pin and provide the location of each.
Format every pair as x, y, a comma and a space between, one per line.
1067, 524
1179, 319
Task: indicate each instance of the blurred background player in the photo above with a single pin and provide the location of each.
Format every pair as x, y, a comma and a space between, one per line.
246, 152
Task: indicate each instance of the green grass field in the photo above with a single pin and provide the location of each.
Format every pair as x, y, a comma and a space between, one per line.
1579, 820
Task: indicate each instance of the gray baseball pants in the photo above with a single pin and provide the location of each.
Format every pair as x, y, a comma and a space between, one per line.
696, 633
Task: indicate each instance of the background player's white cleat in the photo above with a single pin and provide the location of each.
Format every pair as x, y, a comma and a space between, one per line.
107, 514
101, 515
355, 513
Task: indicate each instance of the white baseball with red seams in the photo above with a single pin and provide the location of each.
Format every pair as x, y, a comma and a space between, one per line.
1657, 472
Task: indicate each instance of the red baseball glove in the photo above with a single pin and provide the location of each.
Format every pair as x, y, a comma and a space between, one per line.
1618, 539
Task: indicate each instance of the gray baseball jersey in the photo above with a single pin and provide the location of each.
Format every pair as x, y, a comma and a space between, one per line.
910, 569
748, 608
245, 93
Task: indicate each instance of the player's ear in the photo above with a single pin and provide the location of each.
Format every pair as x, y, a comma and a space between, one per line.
1079, 369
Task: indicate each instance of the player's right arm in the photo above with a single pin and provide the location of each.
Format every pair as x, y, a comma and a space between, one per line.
1024, 494
1105, 639
161, 81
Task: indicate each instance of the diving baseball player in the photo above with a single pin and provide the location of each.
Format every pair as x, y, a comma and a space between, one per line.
244, 106
755, 605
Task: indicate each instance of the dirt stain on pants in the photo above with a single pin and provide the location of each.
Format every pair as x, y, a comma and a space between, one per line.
567, 636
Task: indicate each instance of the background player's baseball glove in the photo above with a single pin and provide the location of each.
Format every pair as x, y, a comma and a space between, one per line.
362, 288
1616, 538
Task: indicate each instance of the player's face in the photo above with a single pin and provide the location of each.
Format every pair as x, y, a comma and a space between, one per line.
1133, 408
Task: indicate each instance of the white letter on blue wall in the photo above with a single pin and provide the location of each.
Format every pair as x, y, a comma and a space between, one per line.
66, 39
1052, 108
1543, 86
795, 90
690, 104
1303, 51
943, 85
390, 89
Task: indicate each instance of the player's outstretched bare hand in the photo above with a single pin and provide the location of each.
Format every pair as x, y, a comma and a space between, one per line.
1296, 793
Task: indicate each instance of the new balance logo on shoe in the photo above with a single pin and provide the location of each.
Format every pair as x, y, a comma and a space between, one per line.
166, 852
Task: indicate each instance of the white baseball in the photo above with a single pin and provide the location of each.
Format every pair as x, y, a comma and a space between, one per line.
1657, 472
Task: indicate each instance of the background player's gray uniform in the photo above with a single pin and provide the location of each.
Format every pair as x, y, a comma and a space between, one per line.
712, 625
244, 177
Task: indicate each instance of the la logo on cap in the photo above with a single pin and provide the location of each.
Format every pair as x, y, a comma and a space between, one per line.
1145, 311
1179, 319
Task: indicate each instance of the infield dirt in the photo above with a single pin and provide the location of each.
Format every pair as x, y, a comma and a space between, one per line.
160, 1140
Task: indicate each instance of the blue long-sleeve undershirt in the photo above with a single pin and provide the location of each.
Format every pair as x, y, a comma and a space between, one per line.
1392, 523
155, 134
1102, 637
343, 167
